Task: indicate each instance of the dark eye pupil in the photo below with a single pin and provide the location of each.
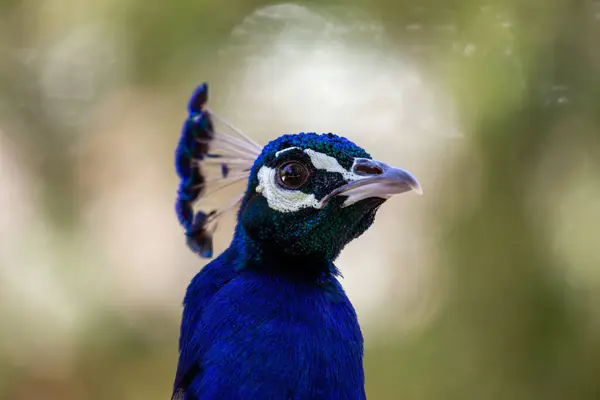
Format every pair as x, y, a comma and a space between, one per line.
292, 175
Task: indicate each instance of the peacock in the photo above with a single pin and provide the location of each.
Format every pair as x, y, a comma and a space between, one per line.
268, 318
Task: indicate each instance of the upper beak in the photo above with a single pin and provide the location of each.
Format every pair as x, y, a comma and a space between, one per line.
375, 179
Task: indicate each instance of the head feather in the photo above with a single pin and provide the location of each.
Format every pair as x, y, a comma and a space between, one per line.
208, 160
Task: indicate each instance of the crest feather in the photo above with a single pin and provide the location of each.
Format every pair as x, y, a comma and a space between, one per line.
208, 160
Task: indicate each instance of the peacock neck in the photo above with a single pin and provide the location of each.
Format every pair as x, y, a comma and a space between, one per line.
271, 260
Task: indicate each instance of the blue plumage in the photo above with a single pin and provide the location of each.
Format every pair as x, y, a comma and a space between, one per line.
268, 319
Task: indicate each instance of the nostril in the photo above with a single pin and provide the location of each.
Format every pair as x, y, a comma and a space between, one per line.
367, 169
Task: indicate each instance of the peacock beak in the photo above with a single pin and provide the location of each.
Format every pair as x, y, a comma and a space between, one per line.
375, 179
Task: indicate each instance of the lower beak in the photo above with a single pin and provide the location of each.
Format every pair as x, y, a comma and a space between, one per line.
375, 179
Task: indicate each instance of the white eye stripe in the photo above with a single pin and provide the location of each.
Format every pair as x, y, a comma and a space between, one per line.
280, 152
324, 162
330, 164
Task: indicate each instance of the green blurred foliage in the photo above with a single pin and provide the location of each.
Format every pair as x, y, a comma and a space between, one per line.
510, 325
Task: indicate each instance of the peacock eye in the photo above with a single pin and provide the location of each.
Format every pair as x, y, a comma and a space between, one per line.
292, 175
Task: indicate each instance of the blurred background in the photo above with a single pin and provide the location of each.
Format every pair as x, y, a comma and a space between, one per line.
487, 287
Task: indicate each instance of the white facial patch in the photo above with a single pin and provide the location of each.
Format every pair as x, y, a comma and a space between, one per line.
284, 200
280, 199
330, 164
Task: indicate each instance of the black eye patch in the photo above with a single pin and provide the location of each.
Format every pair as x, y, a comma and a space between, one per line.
320, 183
291, 155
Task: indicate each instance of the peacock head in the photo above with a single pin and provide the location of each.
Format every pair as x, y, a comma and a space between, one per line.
307, 194
310, 194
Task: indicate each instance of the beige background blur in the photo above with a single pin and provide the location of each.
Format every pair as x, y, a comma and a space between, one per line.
487, 287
